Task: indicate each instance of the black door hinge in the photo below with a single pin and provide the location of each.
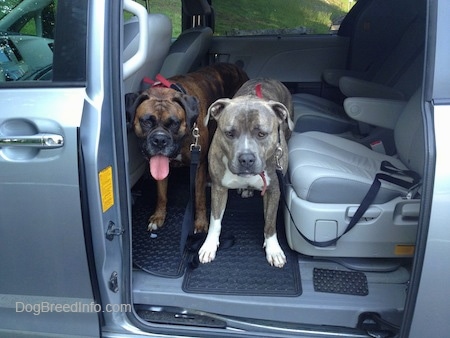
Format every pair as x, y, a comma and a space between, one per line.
114, 282
113, 230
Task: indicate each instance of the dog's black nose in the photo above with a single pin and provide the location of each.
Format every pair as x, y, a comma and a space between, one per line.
160, 140
247, 160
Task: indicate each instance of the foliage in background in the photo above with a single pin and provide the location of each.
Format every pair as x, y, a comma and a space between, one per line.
27, 24
317, 16
6, 6
172, 8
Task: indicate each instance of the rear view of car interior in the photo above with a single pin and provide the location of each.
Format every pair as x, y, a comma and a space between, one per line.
349, 214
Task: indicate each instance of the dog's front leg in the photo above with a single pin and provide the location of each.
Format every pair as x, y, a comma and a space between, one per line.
157, 219
274, 253
219, 196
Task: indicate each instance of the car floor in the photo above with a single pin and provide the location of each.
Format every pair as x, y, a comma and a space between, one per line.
240, 283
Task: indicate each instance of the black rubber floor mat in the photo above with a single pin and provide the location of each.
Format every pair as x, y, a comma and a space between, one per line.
158, 252
243, 268
338, 281
240, 269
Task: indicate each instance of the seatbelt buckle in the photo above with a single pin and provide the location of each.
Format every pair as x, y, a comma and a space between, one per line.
414, 191
378, 146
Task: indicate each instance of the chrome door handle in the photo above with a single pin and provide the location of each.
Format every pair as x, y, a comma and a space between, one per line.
42, 140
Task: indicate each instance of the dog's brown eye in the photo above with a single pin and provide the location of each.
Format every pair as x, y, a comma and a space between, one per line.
147, 121
262, 134
173, 124
230, 133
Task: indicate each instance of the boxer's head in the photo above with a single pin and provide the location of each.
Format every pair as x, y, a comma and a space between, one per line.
161, 118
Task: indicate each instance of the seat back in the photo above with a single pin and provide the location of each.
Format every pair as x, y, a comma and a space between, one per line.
386, 38
190, 50
403, 67
379, 30
386, 60
409, 135
160, 38
390, 50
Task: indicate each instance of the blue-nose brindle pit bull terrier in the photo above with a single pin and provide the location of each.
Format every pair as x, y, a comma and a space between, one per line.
250, 143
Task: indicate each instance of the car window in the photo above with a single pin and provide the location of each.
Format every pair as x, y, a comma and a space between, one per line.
171, 8
264, 17
6, 6
274, 17
28, 52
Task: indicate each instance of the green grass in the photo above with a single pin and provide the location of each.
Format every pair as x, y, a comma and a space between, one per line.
316, 15
172, 8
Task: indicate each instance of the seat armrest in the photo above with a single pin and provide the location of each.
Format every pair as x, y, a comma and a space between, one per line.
352, 87
378, 112
332, 76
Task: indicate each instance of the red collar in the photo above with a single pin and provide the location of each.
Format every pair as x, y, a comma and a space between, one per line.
258, 90
161, 81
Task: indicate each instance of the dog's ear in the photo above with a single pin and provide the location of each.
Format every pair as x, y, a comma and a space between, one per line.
190, 105
282, 113
215, 109
132, 101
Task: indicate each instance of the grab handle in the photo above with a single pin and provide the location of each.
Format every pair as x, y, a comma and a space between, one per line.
41, 141
138, 59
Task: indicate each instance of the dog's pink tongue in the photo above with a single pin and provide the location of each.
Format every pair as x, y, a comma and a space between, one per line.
159, 167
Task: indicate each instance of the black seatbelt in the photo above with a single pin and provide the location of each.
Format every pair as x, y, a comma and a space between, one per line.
188, 239
187, 226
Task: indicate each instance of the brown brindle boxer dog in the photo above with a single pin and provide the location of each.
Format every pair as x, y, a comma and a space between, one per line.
164, 116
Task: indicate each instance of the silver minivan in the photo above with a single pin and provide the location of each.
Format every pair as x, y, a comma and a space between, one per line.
76, 258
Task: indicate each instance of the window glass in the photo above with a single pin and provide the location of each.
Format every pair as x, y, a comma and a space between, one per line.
264, 17
171, 8
268, 17
6, 6
27, 41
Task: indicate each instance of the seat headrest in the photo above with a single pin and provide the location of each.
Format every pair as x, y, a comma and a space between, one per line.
196, 7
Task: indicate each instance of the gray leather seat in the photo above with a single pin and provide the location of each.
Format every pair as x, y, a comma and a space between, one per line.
396, 76
187, 52
159, 41
190, 50
328, 177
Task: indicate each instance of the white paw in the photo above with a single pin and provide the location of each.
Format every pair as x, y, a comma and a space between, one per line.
245, 193
207, 252
274, 254
151, 226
